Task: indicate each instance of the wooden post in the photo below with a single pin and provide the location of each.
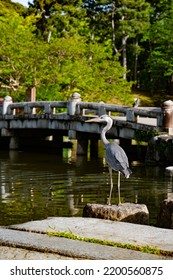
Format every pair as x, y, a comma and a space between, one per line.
167, 110
31, 94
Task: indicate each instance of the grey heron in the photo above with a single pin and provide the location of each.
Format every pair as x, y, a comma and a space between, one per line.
116, 157
136, 102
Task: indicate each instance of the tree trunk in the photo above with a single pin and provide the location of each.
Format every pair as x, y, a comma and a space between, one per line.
171, 85
136, 62
92, 34
113, 30
124, 54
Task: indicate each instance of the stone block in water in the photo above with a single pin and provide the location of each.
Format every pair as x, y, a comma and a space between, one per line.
165, 214
125, 212
169, 171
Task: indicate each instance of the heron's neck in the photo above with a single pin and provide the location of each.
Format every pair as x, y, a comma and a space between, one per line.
103, 134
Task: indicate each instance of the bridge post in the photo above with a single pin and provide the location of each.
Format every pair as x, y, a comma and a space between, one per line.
14, 143
101, 110
131, 117
94, 147
82, 144
126, 145
7, 101
72, 104
167, 110
58, 142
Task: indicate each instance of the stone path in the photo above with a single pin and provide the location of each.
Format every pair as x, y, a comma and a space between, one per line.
32, 242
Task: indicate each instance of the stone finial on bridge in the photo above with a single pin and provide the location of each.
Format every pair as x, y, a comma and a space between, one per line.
72, 104
130, 114
101, 109
167, 109
7, 101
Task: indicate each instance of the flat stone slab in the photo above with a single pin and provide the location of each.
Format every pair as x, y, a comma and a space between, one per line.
41, 246
124, 212
12, 253
125, 233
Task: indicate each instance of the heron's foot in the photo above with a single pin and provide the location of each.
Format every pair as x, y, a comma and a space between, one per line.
109, 202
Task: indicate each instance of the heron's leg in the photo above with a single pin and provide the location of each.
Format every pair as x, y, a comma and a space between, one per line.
119, 198
111, 188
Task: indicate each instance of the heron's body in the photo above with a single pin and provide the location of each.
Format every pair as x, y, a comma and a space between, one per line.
116, 157
136, 102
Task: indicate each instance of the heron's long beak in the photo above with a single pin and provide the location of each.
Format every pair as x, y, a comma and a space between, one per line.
94, 120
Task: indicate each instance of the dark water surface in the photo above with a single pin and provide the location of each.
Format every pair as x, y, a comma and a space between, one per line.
35, 186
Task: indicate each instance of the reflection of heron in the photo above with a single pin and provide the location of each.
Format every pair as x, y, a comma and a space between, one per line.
115, 156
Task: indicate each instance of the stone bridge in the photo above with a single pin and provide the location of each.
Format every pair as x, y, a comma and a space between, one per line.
30, 123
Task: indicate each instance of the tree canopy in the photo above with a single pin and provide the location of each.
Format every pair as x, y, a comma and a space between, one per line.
96, 47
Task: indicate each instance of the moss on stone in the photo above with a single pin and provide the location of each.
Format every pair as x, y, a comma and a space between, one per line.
143, 249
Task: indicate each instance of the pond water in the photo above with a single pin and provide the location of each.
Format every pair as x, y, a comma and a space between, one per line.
35, 186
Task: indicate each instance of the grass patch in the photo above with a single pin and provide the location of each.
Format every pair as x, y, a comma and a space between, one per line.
143, 249
148, 99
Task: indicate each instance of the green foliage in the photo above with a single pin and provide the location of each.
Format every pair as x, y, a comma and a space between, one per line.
160, 59
71, 69
8, 4
158, 66
57, 19
145, 136
137, 13
63, 66
86, 46
16, 43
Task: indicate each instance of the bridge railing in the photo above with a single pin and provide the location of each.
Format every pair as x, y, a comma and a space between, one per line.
130, 113
163, 115
44, 107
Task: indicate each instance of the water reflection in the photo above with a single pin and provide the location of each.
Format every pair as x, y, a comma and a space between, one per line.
37, 186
